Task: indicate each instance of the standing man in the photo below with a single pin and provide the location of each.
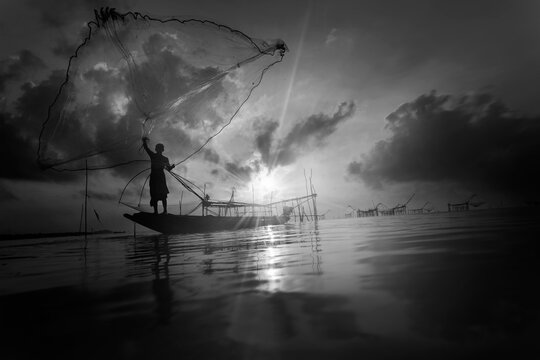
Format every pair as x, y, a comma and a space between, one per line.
158, 185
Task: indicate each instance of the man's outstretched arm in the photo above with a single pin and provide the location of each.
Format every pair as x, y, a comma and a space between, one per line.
145, 146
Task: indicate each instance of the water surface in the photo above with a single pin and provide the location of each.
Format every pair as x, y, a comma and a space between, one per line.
419, 286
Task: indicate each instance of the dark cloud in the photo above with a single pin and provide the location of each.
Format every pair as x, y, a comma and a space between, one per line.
473, 140
33, 103
98, 113
19, 131
17, 156
211, 156
241, 173
60, 13
105, 114
265, 135
16, 67
64, 48
303, 137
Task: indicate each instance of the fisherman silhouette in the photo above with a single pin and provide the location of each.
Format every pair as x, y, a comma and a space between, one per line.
158, 185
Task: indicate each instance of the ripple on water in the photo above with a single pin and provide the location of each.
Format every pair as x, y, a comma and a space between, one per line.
452, 281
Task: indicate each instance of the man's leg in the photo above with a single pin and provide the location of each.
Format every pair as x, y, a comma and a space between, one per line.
164, 206
154, 205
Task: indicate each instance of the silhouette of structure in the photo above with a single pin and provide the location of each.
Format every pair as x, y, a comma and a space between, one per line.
465, 206
374, 211
382, 210
423, 210
351, 213
399, 209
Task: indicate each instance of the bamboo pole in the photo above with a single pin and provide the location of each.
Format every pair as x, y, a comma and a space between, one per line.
81, 219
204, 197
314, 196
181, 198
86, 202
307, 193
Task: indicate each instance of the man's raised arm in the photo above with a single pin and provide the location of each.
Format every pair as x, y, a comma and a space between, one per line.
145, 145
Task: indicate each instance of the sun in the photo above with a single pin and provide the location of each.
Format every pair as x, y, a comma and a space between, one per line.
267, 183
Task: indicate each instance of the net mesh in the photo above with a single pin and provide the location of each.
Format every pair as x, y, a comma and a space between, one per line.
178, 81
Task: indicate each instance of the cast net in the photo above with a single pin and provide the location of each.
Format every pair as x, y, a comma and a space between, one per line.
178, 81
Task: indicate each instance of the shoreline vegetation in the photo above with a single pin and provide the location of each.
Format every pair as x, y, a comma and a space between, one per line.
55, 234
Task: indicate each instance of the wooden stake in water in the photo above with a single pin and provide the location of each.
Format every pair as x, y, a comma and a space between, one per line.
86, 202
307, 194
204, 196
81, 219
181, 197
313, 196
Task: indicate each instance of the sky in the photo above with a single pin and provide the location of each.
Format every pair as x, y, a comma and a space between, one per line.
374, 101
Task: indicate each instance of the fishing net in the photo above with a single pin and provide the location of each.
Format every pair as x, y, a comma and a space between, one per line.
179, 82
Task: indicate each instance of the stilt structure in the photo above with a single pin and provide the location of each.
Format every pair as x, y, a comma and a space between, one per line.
423, 210
351, 213
374, 211
399, 209
465, 206
86, 202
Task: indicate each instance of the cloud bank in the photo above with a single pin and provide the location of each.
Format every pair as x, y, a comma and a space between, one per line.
272, 151
307, 135
473, 140
15, 67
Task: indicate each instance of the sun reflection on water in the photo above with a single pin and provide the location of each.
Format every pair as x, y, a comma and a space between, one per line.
270, 274
323, 288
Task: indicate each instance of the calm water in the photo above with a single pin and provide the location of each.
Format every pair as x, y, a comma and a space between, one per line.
424, 286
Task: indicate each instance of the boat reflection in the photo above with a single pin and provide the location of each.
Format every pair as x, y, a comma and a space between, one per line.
444, 286
268, 259
161, 287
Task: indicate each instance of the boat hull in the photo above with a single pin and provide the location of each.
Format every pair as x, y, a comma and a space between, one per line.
185, 224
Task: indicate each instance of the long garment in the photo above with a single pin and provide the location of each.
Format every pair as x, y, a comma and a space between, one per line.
158, 185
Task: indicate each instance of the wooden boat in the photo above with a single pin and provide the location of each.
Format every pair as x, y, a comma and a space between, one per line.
183, 224
223, 215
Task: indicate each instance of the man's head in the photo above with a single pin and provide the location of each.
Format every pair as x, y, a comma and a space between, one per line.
160, 148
